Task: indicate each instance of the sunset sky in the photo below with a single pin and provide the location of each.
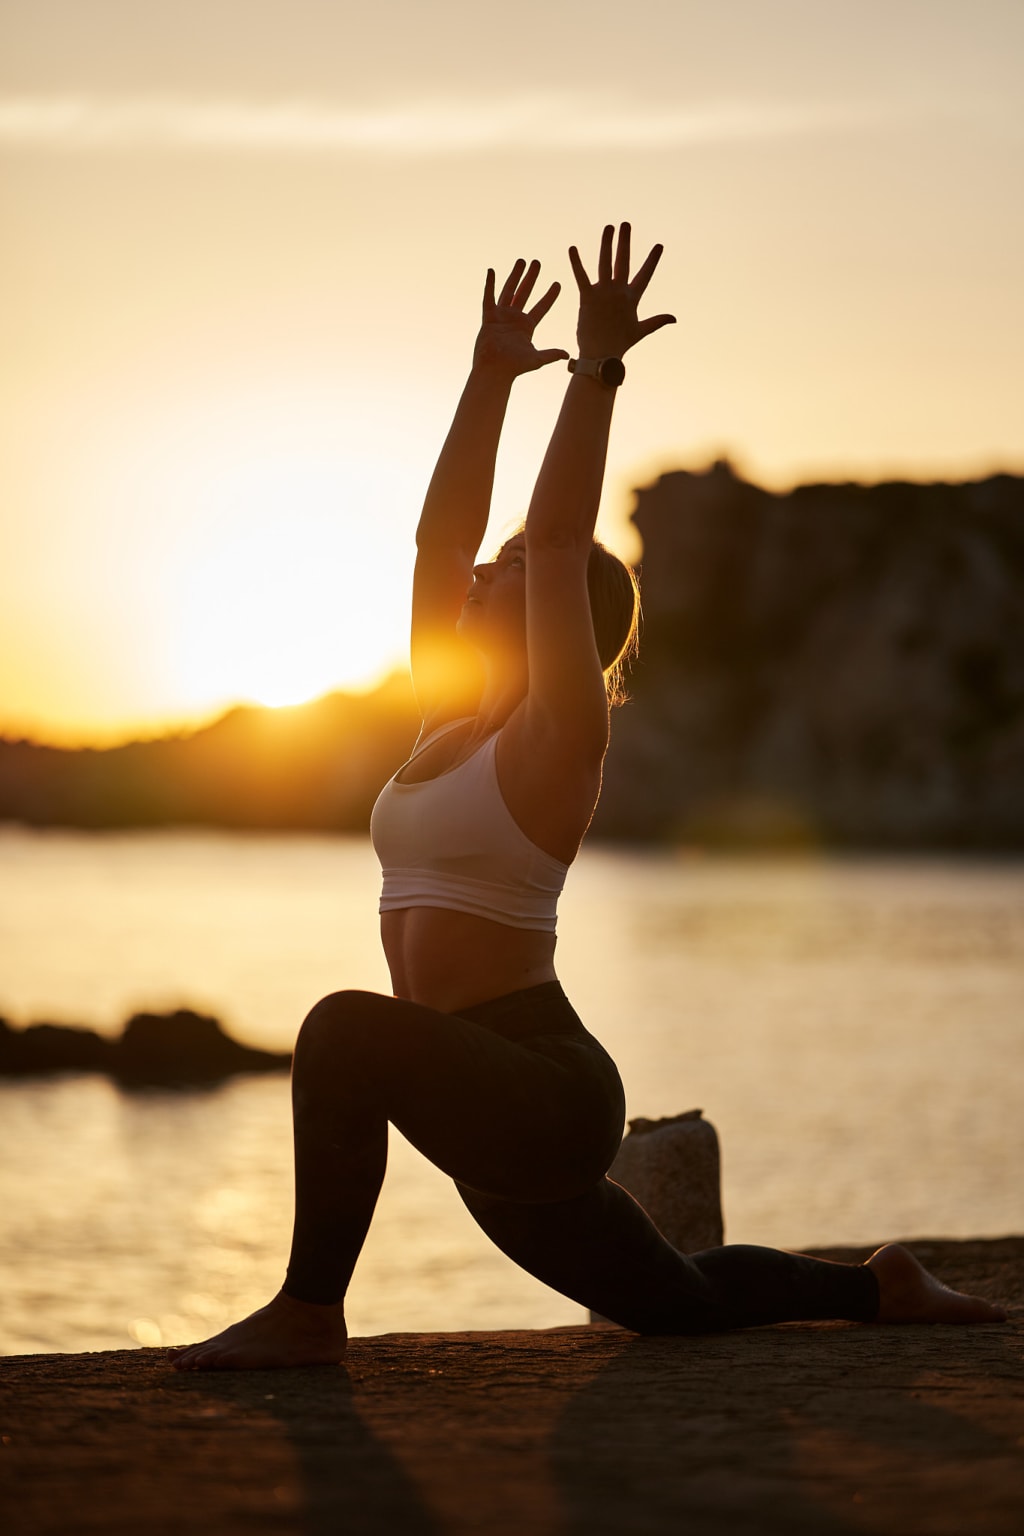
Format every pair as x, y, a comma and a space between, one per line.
243, 247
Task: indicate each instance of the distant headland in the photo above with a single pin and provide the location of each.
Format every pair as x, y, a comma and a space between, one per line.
155, 1050
839, 665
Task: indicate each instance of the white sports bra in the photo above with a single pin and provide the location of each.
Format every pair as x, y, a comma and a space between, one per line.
452, 842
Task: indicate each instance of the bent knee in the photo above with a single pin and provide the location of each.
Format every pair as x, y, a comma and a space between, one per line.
337, 1024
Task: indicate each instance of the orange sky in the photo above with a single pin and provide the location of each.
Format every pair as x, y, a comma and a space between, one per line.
243, 247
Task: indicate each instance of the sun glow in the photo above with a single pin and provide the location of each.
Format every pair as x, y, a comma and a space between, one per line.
279, 592
266, 619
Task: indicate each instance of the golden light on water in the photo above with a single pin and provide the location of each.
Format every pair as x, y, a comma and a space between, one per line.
146, 1332
835, 1019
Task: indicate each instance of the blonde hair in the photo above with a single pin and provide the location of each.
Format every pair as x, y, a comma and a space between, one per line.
615, 610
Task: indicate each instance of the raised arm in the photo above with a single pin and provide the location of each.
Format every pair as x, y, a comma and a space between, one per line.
566, 692
445, 670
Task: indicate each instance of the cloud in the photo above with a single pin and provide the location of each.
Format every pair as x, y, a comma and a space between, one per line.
94, 123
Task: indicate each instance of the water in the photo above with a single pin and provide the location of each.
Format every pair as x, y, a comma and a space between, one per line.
852, 1027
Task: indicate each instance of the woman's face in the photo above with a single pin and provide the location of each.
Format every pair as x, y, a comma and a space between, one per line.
494, 613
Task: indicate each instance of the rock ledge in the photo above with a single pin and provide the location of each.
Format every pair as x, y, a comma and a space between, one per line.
806, 1428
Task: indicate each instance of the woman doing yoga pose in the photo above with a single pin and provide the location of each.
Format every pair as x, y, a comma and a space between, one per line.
478, 1058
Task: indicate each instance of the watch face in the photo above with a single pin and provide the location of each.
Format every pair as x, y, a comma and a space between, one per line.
613, 371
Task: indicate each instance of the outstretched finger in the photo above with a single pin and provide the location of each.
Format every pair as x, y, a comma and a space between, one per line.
604, 261
489, 291
525, 288
646, 272
552, 355
579, 271
655, 323
622, 255
511, 283
543, 304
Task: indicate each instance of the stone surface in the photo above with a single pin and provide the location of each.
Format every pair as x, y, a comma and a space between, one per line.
805, 1429
672, 1167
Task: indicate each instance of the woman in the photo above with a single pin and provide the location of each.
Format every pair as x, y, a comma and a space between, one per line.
478, 1058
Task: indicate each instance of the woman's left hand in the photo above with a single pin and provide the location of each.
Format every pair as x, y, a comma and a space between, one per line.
505, 342
608, 322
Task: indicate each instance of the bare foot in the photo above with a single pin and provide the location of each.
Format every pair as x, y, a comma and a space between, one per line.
284, 1332
909, 1294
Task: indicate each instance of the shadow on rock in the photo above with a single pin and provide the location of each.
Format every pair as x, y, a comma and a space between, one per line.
798, 1428
339, 1476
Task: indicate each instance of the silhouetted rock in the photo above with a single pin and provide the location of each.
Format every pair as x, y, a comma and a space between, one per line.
52, 1048
181, 1049
185, 1047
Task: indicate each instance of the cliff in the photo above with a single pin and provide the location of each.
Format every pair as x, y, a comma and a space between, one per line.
842, 664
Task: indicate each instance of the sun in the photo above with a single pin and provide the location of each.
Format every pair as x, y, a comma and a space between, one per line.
279, 594
260, 620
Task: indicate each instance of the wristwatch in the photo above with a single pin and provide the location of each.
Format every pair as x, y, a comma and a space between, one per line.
609, 371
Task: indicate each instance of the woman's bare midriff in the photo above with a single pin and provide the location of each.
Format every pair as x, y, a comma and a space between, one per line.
451, 960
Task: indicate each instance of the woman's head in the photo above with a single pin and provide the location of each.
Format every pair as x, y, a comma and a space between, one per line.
615, 611
494, 614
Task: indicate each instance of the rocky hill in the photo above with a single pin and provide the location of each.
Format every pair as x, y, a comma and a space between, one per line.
317, 767
842, 664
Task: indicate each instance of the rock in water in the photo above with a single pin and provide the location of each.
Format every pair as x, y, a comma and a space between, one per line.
174, 1050
184, 1048
51, 1048
672, 1167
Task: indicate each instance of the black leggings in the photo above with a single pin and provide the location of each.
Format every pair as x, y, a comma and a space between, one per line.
524, 1109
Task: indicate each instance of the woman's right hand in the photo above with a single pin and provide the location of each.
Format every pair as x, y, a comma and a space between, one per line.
505, 343
608, 321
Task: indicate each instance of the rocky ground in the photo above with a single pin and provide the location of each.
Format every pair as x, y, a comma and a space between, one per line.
803, 1428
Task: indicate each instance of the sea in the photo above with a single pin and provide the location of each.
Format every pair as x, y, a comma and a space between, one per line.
853, 1027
